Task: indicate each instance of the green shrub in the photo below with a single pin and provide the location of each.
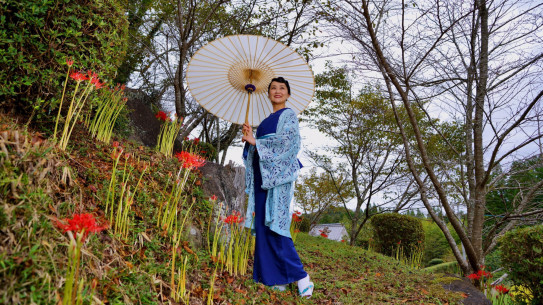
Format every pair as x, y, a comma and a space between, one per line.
436, 245
36, 39
392, 229
522, 254
435, 261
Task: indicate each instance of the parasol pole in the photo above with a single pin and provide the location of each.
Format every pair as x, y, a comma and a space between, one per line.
250, 88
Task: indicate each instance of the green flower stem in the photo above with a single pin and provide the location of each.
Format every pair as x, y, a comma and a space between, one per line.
61, 100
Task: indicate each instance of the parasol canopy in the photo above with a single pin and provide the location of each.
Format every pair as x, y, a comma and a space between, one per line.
221, 73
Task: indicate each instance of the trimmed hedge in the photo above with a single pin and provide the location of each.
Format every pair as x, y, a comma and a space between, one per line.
36, 39
392, 229
522, 254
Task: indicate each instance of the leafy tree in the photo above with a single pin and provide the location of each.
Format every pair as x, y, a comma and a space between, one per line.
362, 128
315, 193
511, 189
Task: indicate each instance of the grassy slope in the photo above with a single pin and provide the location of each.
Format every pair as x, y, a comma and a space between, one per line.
39, 184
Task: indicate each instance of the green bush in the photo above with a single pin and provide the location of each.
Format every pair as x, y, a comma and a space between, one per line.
436, 245
435, 261
522, 254
392, 229
36, 39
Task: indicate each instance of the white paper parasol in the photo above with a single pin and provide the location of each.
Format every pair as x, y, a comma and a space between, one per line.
221, 73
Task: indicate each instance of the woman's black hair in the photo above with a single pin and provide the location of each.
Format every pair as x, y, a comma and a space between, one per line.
281, 80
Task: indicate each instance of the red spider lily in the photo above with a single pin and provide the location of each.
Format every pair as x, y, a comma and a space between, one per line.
123, 86
296, 218
78, 76
115, 144
92, 75
343, 240
96, 82
214, 197
298, 213
196, 141
80, 223
296, 231
481, 273
116, 154
235, 218
474, 276
189, 160
186, 138
502, 289
161, 115
69, 62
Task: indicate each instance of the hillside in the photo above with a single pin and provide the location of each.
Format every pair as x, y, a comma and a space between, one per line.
40, 185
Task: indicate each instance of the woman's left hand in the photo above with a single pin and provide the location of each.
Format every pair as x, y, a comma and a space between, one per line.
248, 135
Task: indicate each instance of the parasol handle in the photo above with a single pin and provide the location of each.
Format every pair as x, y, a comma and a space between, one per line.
250, 88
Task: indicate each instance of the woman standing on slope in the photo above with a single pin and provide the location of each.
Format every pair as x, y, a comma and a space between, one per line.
271, 168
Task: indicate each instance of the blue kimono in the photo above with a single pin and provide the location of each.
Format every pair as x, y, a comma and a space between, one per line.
271, 170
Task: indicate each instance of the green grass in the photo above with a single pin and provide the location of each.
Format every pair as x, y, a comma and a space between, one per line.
33, 251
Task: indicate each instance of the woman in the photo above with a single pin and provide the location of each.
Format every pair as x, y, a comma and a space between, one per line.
271, 169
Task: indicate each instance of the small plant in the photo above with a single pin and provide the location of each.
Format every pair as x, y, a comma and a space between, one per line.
168, 212
110, 106
414, 257
168, 133
295, 225
501, 297
82, 225
178, 292
482, 278
237, 247
213, 200
77, 103
125, 199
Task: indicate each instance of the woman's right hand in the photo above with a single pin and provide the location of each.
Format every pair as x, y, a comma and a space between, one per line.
248, 135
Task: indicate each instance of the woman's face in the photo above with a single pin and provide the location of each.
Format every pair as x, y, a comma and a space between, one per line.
278, 93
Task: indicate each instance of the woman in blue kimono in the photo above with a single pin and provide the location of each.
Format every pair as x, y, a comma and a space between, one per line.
272, 167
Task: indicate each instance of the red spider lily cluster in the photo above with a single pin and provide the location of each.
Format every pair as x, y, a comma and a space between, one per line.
235, 218
501, 289
162, 116
214, 198
80, 223
189, 160
481, 274
79, 76
296, 216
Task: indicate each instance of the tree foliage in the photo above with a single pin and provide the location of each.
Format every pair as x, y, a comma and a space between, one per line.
315, 193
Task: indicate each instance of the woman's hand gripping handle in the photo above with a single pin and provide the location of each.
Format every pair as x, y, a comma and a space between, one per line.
248, 135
